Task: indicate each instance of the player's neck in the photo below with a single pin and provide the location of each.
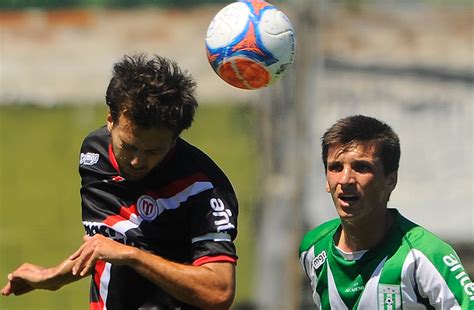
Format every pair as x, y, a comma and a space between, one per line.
365, 234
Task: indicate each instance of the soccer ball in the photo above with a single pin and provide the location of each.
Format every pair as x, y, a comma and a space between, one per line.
250, 44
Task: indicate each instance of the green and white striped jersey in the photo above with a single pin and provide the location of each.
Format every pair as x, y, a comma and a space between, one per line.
410, 269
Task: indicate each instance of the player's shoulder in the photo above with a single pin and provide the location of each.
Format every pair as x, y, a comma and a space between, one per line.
190, 157
187, 150
325, 230
418, 237
97, 138
94, 153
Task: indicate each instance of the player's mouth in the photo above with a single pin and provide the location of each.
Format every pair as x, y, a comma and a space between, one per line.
348, 199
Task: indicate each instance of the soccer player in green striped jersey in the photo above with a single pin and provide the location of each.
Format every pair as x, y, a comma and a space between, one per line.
372, 257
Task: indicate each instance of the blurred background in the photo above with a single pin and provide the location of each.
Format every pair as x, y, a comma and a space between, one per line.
409, 63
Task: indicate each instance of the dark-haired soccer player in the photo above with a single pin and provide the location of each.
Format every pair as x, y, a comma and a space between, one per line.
372, 257
160, 216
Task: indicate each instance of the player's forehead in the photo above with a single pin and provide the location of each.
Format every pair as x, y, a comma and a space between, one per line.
143, 137
356, 150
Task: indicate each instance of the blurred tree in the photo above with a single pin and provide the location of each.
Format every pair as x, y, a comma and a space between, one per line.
353, 5
46, 4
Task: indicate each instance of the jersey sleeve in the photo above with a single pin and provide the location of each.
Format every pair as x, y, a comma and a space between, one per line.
99, 192
313, 241
442, 279
438, 274
214, 226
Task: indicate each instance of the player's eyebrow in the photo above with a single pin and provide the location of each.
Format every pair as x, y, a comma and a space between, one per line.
364, 161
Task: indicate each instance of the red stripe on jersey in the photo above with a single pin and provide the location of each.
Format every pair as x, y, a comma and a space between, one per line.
214, 259
112, 158
99, 270
124, 214
96, 306
168, 191
178, 186
113, 219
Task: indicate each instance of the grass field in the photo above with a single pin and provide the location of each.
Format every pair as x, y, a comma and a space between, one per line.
39, 188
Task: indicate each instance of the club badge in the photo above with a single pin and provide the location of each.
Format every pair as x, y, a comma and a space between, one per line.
389, 296
147, 208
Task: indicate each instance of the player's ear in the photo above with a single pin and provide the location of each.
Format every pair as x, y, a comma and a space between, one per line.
110, 121
328, 189
392, 179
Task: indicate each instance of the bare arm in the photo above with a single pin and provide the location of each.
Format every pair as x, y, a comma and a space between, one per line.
210, 286
29, 277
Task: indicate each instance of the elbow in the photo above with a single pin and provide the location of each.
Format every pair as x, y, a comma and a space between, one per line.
219, 291
221, 300
225, 300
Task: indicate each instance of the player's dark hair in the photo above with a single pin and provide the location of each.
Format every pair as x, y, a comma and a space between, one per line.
359, 128
152, 93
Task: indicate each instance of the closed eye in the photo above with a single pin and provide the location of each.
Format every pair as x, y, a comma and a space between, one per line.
127, 147
154, 152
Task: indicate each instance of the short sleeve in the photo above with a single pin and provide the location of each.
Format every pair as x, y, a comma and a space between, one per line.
213, 223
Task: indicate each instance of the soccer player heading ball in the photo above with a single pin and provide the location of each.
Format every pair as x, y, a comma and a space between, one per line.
372, 257
160, 216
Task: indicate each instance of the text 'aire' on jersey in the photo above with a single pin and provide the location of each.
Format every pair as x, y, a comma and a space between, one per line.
184, 210
410, 269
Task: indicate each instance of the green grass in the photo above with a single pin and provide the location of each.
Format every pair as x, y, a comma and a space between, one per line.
40, 219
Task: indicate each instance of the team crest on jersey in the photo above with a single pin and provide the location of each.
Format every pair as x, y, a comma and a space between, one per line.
148, 208
89, 159
389, 296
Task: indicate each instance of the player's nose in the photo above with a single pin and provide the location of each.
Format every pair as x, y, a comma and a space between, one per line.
346, 176
138, 161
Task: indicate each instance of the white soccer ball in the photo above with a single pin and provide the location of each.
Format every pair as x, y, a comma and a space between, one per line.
250, 44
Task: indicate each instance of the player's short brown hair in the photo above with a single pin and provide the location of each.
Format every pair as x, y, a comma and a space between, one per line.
359, 128
152, 92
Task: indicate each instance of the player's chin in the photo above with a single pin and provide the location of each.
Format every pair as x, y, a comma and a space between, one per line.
345, 210
344, 215
134, 176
